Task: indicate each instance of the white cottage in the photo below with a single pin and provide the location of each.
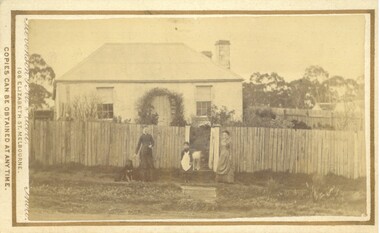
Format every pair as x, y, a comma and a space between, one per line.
120, 73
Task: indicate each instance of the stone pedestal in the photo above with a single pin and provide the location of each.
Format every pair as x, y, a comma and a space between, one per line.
204, 193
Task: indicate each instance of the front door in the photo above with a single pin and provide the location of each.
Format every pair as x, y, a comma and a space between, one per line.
161, 106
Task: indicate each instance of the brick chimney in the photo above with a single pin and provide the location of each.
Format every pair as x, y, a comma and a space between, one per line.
222, 53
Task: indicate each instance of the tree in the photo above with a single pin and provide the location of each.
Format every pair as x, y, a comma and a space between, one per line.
38, 96
316, 74
266, 90
349, 93
41, 78
344, 89
311, 88
301, 91
316, 86
360, 81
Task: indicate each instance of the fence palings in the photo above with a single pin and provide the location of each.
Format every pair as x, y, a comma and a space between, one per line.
253, 149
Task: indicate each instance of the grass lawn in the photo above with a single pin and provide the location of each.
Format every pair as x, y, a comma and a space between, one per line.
78, 193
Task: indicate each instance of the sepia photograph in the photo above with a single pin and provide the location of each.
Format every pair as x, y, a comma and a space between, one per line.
197, 117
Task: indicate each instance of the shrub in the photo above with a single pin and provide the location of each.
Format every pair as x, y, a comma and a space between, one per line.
274, 189
300, 125
147, 115
265, 113
264, 118
83, 108
116, 119
273, 186
319, 191
119, 119
222, 116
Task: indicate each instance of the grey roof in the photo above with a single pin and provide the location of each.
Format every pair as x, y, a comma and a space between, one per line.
160, 62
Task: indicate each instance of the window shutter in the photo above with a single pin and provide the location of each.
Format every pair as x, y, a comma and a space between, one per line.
203, 93
105, 94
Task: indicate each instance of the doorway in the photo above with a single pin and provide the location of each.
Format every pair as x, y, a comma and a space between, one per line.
200, 141
162, 107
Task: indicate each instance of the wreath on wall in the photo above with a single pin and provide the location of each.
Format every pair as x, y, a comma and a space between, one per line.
145, 109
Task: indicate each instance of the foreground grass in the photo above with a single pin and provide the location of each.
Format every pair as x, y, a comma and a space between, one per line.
90, 193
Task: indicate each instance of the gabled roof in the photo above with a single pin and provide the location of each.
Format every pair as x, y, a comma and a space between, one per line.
148, 62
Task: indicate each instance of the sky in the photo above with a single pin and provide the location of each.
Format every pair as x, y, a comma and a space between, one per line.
286, 45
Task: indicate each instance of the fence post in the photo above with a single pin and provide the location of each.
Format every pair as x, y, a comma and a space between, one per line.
214, 148
187, 133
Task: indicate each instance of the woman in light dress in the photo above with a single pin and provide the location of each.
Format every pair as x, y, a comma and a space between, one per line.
225, 169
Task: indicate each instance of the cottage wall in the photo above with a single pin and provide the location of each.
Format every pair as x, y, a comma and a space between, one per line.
126, 95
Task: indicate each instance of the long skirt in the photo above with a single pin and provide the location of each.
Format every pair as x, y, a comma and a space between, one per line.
225, 178
146, 164
225, 170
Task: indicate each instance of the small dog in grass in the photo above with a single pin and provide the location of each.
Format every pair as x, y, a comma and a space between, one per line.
126, 173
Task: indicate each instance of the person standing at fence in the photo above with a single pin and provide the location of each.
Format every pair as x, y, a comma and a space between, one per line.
144, 150
225, 169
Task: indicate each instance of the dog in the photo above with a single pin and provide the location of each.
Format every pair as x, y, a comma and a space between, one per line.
126, 173
197, 158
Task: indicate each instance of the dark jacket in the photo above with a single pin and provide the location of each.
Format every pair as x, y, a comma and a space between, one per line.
144, 142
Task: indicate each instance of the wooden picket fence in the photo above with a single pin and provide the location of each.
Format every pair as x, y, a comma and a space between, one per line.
253, 149
100, 143
298, 151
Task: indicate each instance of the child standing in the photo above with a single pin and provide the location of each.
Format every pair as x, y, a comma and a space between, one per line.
186, 162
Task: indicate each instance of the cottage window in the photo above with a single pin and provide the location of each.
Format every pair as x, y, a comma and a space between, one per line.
203, 100
105, 107
203, 108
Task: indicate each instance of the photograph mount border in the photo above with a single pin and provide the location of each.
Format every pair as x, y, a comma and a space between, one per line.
371, 12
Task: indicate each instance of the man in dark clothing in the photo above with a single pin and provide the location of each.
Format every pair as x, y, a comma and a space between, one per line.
144, 147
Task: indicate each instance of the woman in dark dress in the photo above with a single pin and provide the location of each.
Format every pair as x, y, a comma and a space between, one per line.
144, 147
225, 169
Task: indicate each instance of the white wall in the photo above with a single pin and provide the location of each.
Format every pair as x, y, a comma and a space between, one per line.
126, 95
